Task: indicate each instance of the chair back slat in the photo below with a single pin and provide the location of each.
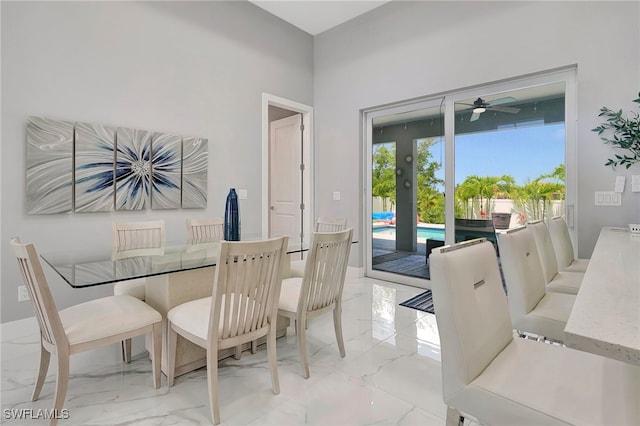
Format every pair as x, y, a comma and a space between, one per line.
326, 266
42, 301
246, 287
324, 224
129, 236
206, 230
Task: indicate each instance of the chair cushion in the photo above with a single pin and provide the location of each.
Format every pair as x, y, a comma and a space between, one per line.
549, 317
133, 288
193, 316
289, 294
534, 383
565, 282
106, 317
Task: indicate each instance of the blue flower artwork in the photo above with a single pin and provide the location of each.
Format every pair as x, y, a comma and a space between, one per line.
49, 180
94, 167
166, 170
195, 157
115, 168
133, 168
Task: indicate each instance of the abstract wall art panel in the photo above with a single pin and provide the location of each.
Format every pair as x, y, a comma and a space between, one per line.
49, 179
166, 170
195, 157
95, 155
133, 168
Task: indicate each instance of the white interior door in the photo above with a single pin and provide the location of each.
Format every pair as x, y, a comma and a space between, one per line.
285, 191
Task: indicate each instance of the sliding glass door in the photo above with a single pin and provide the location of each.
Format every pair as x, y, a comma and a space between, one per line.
407, 189
465, 165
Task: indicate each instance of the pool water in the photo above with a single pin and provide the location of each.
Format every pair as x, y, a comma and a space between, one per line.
423, 232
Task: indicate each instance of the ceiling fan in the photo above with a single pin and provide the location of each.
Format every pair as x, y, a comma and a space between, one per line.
480, 106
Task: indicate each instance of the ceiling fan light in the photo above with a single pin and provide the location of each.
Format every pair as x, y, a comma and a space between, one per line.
479, 110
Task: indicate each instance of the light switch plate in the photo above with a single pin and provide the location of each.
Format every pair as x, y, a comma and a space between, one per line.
242, 194
608, 198
336, 196
635, 183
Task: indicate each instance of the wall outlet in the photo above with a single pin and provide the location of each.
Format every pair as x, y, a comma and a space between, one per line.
23, 294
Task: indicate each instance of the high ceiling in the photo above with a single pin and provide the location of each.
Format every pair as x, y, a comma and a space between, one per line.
316, 16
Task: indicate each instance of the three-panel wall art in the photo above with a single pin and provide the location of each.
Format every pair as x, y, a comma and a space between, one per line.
82, 167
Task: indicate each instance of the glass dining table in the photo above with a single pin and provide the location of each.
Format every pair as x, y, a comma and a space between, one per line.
81, 269
173, 274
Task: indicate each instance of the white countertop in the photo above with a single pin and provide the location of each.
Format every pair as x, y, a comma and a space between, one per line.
605, 318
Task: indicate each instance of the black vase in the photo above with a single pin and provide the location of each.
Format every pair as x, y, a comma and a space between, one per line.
232, 217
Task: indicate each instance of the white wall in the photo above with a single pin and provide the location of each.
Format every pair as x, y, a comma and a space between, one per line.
405, 50
191, 68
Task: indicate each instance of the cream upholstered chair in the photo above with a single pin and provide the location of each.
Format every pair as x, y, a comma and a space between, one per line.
563, 247
205, 230
81, 327
320, 290
494, 378
557, 281
130, 239
323, 224
533, 309
243, 307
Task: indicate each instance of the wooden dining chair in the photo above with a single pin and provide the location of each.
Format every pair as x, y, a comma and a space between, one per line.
82, 327
243, 307
323, 224
319, 292
205, 230
496, 379
131, 239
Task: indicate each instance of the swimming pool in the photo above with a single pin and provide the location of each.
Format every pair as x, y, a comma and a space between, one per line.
423, 232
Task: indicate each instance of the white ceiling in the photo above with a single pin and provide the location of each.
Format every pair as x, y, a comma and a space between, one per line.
316, 16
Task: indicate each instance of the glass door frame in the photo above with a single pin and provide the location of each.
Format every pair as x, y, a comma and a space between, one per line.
367, 125
446, 101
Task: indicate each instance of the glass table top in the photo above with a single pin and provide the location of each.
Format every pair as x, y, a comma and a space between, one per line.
79, 269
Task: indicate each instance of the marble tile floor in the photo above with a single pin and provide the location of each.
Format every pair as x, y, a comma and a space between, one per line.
390, 376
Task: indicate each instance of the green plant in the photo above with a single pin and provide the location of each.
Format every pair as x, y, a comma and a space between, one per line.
625, 135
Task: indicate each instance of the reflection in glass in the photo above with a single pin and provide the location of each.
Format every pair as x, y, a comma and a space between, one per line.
407, 189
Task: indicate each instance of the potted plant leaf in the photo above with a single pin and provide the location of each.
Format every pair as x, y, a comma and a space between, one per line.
624, 134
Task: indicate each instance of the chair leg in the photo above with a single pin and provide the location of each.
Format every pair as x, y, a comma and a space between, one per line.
45, 356
337, 324
254, 346
62, 383
454, 418
126, 350
172, 342
156, 342
302, 347
238, 352
212, 381
273, 358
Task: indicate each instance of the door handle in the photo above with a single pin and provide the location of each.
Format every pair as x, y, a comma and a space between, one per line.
272, 208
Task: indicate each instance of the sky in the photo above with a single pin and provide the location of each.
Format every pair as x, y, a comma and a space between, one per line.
524, 153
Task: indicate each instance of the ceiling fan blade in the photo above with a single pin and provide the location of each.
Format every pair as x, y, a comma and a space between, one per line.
474, 116
510, 110
505, 100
